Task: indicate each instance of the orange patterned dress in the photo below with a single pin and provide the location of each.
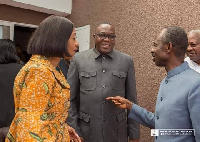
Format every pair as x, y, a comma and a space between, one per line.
41, 97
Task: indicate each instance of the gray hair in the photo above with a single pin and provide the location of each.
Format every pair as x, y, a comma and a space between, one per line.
192, 32
178, 37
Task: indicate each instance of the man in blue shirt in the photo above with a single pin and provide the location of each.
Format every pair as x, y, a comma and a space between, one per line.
178, 99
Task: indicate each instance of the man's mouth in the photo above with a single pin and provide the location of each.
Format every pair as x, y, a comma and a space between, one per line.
105, 45
76, 50
153, 54
191, 54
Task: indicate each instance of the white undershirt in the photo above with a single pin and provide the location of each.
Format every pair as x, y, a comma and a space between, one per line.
193, 65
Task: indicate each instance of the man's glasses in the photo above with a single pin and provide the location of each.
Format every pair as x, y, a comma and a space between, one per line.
104, 36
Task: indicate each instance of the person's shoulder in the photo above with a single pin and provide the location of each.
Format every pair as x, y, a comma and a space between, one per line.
193, 72
91, 50
192, 75
18, 65
35, 66
121, 53
122, 56
84, 54
14, 66
192, 79
40, 70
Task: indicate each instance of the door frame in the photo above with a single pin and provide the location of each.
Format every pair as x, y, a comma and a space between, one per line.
13, 24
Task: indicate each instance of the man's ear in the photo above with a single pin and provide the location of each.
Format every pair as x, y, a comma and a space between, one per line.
169, 47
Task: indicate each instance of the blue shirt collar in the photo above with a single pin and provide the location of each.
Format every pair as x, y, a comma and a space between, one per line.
177, 70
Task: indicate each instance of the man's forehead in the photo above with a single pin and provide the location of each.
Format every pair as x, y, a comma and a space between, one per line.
161, 34
105, 27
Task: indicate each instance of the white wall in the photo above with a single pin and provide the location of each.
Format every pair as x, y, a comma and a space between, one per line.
1, 32
59, 5
83, 37
56, 7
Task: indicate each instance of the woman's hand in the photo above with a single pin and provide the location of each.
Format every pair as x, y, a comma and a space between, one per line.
73, 135
121, 102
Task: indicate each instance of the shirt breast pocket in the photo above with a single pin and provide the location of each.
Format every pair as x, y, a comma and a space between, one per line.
88, 80
119, 79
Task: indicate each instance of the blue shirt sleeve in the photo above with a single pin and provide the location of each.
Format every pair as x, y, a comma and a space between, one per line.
142, 116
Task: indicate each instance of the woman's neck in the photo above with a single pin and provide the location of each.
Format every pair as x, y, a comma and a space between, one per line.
54, 60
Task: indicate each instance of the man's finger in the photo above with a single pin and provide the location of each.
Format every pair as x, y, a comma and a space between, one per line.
109, 98
112, 98
118, 103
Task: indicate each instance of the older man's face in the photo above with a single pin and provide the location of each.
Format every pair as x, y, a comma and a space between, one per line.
193, 50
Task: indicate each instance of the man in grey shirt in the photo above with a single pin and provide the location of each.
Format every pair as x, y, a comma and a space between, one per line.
94, 75
178, 100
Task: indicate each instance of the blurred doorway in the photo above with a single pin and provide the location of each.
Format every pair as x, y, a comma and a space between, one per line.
21, 38
20, 33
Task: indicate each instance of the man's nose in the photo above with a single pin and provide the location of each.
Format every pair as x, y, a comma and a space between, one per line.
77, 45
152, 50
106, 38
189, 48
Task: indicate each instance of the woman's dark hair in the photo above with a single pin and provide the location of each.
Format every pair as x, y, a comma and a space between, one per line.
8, 52
51, 37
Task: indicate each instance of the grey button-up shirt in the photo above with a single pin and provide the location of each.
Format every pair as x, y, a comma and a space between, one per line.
94, 77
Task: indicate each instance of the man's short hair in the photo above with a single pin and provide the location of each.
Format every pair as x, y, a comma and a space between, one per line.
106, 23
51, 37
178, 37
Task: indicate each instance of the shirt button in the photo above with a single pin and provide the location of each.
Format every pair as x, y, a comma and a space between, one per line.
166, 81
161, 98
104, 102
104, 86
104, 57
104, 71
157, 117
104, 120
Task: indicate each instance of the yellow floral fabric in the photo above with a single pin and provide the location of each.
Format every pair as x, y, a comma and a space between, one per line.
41, 97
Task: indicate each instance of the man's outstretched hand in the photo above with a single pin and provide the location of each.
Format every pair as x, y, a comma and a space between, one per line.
121, 102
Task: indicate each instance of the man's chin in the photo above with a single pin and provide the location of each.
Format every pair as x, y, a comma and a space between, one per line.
158, 64
195, 60
192, 59
105, 51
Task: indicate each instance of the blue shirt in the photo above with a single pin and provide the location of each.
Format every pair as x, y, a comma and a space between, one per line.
177, 106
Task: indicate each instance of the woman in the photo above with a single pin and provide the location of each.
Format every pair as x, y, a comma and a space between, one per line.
41, 93
9, 67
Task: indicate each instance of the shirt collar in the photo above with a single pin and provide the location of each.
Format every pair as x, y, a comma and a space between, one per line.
44, 61
178, 70
194, 63
97, 53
